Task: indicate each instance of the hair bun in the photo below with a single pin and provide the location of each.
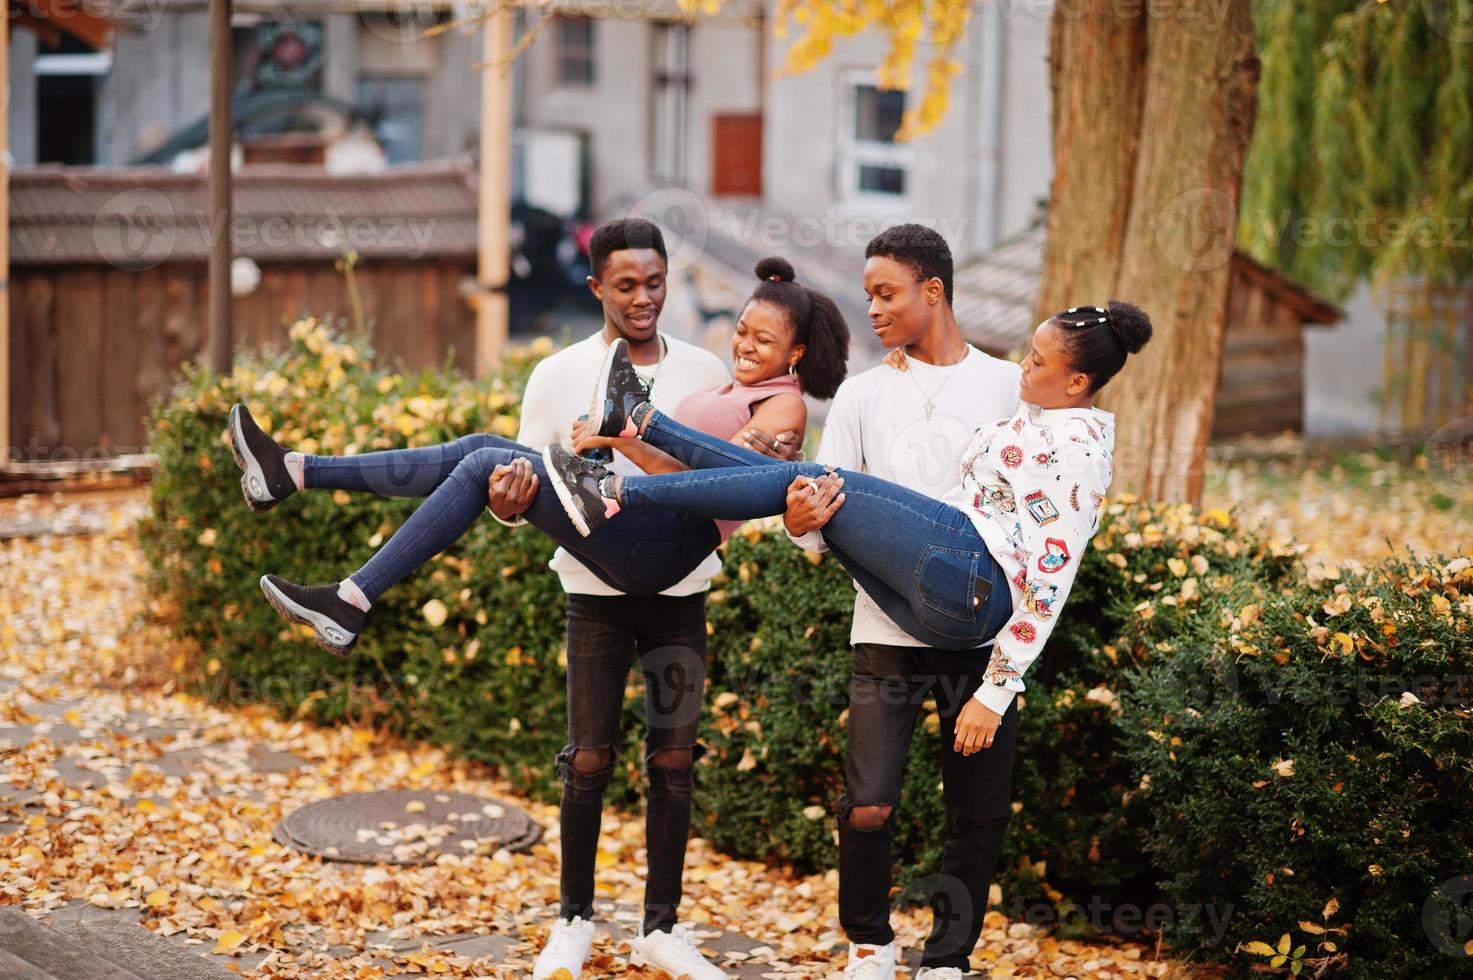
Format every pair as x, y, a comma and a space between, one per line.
1131, 325
777, 268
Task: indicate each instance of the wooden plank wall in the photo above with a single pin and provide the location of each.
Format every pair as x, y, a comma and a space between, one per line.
92, 346
1261, 388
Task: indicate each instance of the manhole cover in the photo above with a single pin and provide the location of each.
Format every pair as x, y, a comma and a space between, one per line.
405, 827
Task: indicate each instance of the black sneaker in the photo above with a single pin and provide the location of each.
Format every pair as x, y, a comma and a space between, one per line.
575, 480
617, 392
266, 481
337, 621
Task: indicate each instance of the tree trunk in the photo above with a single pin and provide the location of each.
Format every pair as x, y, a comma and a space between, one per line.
1151, 120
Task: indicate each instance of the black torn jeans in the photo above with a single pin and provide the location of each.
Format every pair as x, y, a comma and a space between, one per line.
666, 637
887, 695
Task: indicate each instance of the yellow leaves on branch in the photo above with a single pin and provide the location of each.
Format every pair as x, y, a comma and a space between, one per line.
906, 23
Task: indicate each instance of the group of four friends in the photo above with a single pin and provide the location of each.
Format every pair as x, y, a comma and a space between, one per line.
959, 491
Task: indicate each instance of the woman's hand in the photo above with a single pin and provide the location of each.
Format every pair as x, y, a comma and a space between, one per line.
784, 446
976, 726
896, 359
583, 440
511, 489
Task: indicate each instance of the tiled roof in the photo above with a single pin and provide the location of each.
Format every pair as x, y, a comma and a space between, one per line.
138, 217
993, 296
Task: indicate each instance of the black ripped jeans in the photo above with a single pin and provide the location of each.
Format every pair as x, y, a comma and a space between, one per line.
606, 634
887, 695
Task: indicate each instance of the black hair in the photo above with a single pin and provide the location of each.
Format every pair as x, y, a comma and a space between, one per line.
613, 236
817, 325
921, 248
1097, 339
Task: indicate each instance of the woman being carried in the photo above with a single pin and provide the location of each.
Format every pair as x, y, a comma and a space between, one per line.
994, 559
789, 341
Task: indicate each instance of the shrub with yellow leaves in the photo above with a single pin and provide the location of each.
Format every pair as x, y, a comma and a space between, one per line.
1210, 720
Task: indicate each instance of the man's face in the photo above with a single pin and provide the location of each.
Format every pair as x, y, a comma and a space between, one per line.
632, 291
900, 308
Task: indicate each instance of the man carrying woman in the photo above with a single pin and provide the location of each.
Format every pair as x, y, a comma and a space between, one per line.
634, 590
992, 562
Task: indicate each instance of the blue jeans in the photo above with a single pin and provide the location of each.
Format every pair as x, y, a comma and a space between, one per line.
922, 561
644, 557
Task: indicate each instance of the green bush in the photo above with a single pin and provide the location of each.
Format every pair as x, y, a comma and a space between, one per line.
1183, 753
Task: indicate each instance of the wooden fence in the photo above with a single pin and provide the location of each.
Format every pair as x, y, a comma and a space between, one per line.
92, 346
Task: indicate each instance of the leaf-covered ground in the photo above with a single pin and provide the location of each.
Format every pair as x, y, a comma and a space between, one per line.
1342, 503
190, 847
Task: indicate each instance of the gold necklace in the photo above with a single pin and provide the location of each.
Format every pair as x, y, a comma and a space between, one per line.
930, 404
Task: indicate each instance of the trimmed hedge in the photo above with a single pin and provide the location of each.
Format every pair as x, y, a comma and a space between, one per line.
1215, 744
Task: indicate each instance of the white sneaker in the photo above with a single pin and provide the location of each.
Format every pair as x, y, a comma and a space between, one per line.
567, 949
675, 953
939, 973
868, 962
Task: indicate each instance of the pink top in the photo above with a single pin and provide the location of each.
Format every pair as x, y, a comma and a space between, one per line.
723, 411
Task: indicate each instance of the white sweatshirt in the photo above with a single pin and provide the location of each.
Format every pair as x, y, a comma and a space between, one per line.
878, 425
1032, 485
561, 388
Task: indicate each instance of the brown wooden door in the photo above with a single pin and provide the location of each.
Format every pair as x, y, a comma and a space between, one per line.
736, 167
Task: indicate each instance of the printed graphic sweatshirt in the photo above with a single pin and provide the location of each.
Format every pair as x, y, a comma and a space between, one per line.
1032, 485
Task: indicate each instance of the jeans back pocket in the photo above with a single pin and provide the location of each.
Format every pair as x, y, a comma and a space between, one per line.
946, 581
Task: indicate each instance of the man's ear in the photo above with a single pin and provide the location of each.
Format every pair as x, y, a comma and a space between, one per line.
934, 290
596, 288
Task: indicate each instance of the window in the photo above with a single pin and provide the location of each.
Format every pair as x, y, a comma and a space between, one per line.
574, 51
671, 100
68, 79
871, 164
396, 105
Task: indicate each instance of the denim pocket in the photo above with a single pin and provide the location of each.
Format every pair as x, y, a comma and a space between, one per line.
651, 567
946, 581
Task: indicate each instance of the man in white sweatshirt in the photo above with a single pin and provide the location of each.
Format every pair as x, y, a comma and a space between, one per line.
607, 629
908, 421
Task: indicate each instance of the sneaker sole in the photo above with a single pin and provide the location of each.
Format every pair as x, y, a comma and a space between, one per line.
601, 388
323, 628
564, 496
248, 463
638, 959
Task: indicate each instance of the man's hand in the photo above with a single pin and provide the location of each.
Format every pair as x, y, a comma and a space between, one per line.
511, 489
976, 727
812, 502
784, 445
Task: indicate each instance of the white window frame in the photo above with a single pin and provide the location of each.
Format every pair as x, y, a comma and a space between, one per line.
671, 99
855, 153
560, 48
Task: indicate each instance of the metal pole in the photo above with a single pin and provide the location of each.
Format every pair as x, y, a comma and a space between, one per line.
4, 241
222, 128
494, 192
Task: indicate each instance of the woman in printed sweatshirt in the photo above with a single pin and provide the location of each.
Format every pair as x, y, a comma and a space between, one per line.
993, 561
